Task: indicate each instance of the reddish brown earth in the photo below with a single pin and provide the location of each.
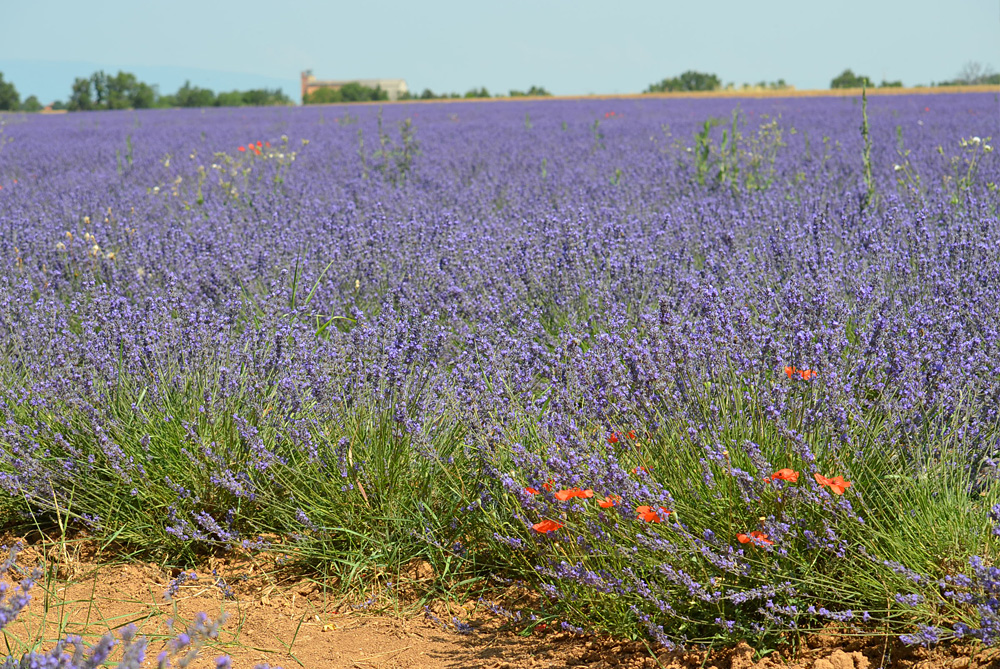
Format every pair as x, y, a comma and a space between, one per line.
288, 621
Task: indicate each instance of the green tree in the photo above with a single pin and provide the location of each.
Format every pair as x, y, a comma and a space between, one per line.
143, 96
355, 92
847, 79
256, 97
323, 96
31, 104
688, 81
104, 91
81, 97
99, 85
125, 91
10, 100
193, 96
229, 99
534, 91
349, 92
264, 97
477, 93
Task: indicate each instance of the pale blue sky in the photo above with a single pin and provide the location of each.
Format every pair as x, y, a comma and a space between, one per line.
570, 47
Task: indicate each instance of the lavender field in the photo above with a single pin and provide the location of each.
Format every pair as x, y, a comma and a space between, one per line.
695, 370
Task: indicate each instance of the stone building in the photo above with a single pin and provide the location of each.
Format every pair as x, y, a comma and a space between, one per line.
393, 87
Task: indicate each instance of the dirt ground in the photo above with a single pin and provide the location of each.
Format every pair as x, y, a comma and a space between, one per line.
291, 622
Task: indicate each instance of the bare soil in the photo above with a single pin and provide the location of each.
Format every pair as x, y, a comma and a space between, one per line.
282, 620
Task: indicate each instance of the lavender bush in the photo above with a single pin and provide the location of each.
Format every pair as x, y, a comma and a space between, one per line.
681, 366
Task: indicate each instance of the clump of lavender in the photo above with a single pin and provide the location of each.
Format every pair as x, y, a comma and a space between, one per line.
978, 589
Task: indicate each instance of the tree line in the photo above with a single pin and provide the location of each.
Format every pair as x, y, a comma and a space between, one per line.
701, 81
971, 74
125, 91
355, 92
481, 92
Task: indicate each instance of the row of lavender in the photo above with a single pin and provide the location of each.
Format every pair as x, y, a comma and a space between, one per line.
383, 334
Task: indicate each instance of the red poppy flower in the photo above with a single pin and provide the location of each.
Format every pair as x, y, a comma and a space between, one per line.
531, 491
804, 374
636, 470
631, 434
613, 439
547, 485
267, 144
837, 484
241, 148
546, 526
786, 474
758, 538
570, 493
259, 144
648, 514
610, 501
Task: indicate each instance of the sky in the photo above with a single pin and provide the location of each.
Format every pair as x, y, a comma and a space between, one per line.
571, 47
